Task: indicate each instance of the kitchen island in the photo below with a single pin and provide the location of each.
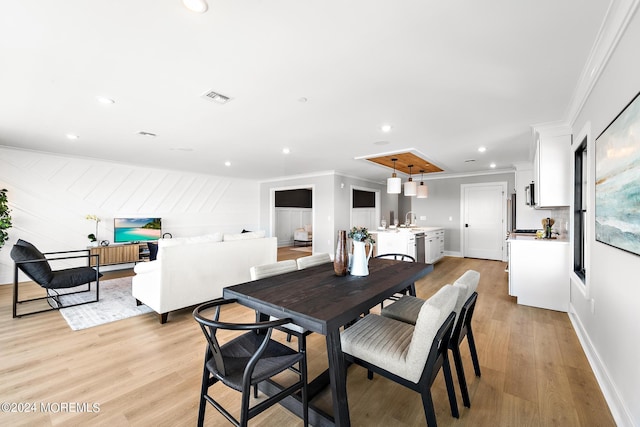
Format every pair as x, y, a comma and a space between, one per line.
403, 240
539, 271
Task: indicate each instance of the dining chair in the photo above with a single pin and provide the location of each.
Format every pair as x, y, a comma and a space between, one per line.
411, 355
313, 260
409, 290
245, 361
407, 309
274, 269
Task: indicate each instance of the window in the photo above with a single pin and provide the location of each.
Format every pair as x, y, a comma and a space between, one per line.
580, 210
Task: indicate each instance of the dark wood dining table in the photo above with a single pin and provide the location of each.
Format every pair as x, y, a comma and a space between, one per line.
318, 300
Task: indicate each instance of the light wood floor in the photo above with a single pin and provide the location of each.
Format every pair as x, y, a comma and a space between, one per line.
142, 373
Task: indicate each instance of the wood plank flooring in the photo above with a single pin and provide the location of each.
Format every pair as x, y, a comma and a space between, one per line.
141, 373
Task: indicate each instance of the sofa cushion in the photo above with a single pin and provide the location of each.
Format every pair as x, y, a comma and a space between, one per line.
39, 272
244, 236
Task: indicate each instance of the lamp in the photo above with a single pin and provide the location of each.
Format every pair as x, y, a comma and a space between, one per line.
394, 184
410, 187
423, 190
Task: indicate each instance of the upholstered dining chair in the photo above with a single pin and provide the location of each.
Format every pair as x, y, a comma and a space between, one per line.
35, 264
407, 309
274, 269
313, 260
411, 355
245, 361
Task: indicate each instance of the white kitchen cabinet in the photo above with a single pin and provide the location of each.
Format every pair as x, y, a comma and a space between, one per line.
391, 242
434, 245
539, 272
552, 171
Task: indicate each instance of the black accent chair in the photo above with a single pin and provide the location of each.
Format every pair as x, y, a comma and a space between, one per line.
246, 361
35, 264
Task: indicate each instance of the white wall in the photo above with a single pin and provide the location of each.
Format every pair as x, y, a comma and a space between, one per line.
51, 195
444, 203
610, 332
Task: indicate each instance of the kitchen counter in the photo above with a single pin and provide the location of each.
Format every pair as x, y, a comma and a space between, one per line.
530, 238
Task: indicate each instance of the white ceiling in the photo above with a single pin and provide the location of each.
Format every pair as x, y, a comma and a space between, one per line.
449, 76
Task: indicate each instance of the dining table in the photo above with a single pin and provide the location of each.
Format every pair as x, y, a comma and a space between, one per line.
320, 301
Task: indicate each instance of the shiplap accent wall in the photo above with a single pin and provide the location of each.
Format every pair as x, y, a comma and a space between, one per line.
51, 195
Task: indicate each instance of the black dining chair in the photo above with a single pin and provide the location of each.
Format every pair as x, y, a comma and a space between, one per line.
409, 290
245, 361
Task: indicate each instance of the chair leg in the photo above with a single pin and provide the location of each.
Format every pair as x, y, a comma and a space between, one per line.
457, 359
448, 379
429, 411
474, 353
288, 337
203, 391
369, 374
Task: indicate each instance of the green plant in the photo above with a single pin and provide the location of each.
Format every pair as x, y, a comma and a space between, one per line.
5, 217
361, 234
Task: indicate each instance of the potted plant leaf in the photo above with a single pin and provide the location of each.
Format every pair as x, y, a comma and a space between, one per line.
5, 217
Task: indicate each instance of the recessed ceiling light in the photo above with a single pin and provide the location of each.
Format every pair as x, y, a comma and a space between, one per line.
285, 150
492, 165
198, 6
72, 136
227, 163
386, 128
482, 149
105, 100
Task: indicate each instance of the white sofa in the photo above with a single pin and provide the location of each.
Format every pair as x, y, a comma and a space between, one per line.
190, 271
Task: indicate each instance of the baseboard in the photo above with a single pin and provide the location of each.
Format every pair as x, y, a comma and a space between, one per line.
616, 405
453, 254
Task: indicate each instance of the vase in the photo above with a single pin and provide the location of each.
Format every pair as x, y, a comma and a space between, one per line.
341, 260
360, 259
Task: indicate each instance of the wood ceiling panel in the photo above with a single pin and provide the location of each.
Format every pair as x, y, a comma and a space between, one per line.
404, 160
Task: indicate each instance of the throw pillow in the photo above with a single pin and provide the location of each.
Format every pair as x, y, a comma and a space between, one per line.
39, 272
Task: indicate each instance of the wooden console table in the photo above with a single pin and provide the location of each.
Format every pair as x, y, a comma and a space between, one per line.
118, 254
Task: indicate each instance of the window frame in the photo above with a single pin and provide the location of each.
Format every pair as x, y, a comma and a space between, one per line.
582, 209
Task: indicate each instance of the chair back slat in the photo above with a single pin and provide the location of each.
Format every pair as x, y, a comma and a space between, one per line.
397, 257
313, 260
273, 269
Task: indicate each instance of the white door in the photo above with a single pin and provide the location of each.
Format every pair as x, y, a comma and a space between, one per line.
483, 220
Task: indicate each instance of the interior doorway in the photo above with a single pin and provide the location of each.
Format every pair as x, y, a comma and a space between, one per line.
483, 220
292, 209
364, 207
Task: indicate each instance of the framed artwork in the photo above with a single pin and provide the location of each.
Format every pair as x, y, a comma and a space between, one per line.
618, 181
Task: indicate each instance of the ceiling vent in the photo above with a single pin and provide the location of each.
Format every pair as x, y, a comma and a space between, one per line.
216, 97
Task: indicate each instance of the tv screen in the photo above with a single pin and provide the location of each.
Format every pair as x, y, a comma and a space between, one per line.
136, 229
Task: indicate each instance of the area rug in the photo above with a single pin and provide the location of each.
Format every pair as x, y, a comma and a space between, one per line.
116, 303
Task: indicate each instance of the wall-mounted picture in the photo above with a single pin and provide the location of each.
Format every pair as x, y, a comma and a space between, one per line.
618, 181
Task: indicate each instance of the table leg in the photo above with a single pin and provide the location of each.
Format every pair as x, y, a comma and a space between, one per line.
338, 376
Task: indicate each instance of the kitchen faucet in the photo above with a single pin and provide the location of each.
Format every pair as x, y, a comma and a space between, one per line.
407, 219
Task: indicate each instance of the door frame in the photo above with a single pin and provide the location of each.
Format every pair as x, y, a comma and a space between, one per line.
463, 187
377, 202
272, 206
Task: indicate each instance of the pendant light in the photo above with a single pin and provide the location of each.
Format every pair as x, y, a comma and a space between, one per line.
394, 184
410, 187
423, 190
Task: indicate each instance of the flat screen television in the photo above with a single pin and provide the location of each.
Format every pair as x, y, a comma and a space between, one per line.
127, 230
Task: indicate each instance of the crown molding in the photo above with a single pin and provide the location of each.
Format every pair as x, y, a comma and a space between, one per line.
613, 27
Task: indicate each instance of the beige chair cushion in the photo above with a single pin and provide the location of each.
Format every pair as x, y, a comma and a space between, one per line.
399, 347
379, 340
406, 309
313, 260
470, 278
268, 270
